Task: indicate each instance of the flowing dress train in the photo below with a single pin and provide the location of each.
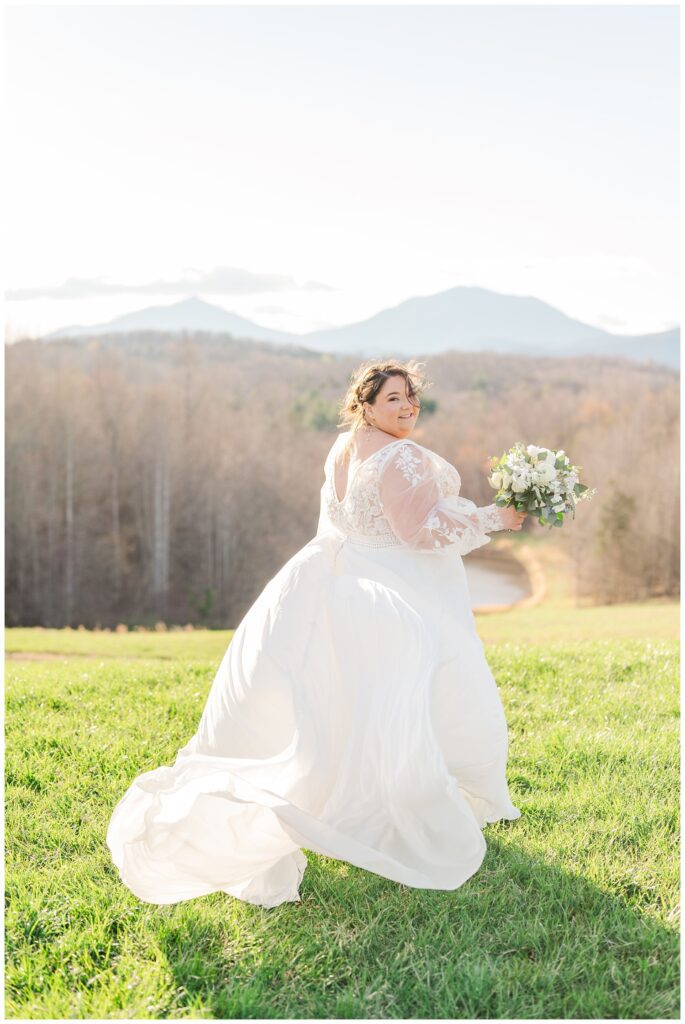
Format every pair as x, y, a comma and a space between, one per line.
353, 714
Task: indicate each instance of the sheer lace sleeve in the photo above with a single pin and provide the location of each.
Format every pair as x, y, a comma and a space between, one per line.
420, 516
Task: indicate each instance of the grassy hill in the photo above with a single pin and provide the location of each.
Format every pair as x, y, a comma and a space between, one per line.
573, 913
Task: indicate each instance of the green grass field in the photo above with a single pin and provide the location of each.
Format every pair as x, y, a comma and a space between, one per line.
574, 913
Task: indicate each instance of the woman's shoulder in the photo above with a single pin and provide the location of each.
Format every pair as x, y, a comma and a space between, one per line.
401, 453
408, 448
341, 439
345, 438
413, 458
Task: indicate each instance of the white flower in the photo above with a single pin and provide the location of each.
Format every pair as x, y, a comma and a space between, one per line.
496, 479
544, 473
519, 484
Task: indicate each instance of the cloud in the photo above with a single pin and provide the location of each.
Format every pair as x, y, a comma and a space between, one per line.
220, 281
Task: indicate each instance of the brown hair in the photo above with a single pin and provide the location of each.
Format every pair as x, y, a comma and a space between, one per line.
367, 380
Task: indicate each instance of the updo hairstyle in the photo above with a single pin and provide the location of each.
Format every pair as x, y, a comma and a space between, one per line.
367, 380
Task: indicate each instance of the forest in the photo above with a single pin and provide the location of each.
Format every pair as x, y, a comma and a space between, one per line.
167, 477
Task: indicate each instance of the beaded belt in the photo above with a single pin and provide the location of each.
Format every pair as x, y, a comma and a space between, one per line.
368, 541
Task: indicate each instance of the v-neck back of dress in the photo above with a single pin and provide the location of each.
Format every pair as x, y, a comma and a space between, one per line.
353, 470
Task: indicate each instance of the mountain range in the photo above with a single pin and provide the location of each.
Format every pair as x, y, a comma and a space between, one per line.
465, 319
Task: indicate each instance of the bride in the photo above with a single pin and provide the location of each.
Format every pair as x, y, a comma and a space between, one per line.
354, 713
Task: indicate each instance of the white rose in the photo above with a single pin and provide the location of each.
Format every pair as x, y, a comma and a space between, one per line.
496, 479
519, 484
544, 473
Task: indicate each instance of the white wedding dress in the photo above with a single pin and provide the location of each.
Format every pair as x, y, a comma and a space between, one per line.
354, 713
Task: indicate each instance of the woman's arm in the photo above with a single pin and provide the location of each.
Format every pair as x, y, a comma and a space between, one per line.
420, 516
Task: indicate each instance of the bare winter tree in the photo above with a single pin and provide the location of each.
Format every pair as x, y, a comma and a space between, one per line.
151, 476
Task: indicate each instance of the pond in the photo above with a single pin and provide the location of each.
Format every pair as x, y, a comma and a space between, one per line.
495, 582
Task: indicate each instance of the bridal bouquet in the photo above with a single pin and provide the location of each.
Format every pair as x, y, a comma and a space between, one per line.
536, 480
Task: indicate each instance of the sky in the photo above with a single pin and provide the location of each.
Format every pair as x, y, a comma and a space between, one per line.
309, 166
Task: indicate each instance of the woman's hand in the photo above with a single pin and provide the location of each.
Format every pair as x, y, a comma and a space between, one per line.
512, 519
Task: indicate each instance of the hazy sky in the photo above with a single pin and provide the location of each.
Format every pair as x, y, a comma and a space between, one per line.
308, 166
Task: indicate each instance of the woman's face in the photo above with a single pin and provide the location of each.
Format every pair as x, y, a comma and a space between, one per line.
392, 411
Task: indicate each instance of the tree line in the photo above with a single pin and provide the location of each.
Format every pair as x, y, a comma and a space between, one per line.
168, 477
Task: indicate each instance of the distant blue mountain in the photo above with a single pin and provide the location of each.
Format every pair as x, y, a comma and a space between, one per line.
462, 319
475, 319
192, 314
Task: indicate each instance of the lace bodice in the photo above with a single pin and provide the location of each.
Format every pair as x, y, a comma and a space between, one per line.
404, 495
